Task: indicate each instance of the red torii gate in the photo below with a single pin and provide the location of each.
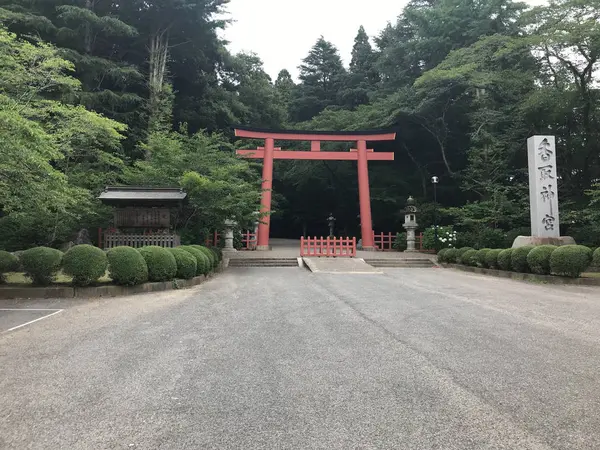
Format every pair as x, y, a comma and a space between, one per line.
268, 153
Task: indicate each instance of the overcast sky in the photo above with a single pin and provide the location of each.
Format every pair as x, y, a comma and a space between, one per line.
282, 32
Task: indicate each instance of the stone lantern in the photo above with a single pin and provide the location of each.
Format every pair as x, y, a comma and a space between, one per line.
331, 223
410, 224
229, 226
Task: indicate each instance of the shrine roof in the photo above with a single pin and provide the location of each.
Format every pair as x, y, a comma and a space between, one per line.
308, 135
132, 194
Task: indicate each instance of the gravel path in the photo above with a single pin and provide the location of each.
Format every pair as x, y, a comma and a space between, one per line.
285, 359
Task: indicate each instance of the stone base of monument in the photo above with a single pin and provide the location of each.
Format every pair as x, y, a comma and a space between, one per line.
522, 241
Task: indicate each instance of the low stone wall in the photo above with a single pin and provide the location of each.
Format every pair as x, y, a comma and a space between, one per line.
550, 279
106, 290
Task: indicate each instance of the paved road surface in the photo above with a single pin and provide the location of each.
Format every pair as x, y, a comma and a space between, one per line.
285, 359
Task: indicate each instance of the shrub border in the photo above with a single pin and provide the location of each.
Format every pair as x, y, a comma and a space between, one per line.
107, 290
550, 279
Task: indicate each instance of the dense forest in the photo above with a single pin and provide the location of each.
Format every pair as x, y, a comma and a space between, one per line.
98, 92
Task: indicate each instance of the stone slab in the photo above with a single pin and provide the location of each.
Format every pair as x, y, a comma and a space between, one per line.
522, 241
340, 266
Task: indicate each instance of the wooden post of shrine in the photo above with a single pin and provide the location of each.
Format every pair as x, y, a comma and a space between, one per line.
364, 197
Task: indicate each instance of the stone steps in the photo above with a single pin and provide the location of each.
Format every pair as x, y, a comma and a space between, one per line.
263, 262
401, 263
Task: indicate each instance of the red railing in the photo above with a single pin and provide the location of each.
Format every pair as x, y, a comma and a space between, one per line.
213, 241
384, 241
328, 247
249, 241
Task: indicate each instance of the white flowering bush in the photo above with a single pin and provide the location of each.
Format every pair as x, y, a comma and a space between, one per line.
446, 238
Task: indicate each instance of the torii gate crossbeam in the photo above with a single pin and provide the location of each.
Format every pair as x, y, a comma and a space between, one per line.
361, 154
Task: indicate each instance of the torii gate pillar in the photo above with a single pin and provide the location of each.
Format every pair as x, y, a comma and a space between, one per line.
264, 225
364, 197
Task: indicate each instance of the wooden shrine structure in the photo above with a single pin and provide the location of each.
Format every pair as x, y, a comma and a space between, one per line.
142, 216
268, 153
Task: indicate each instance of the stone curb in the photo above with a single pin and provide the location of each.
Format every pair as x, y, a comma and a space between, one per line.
550, 279
108, 290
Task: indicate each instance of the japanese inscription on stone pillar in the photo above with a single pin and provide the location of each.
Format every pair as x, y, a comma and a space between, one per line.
543, 190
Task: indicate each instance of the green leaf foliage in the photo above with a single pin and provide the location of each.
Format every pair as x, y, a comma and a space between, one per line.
505, 259
41, 264
127, 266
85, 263
570, 260
491, 258
518, 259
161, 263
8, 263
186, 263
203, 264
538, 259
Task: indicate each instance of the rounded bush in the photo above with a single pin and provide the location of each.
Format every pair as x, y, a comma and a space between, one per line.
451, 256
491, 258
126, 266
462, 251
481, 257
469, 258
596, 258
161, 263
202, 261
186, 263
518, 259
41, 264
570, 260
504, 259
538, 259
85, 263
442, 255
8, 263
210, 255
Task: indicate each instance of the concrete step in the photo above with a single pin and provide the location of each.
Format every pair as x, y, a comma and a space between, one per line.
263, 262
400, 263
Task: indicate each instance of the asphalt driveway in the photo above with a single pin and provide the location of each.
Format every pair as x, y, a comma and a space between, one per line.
282, 358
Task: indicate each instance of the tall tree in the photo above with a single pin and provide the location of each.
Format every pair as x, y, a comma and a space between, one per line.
362, 77
285, 86
321, 76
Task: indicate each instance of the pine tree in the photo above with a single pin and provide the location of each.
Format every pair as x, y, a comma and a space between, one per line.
285, 86
362, 77
322, 76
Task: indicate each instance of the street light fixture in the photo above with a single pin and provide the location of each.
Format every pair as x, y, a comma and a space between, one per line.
435, 181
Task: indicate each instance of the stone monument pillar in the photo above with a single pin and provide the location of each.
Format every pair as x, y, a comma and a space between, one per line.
410, 224
543, 194
229, 225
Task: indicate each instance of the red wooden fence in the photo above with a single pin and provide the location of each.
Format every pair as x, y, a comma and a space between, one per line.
249, 241
213, 241
384, 241
328, 247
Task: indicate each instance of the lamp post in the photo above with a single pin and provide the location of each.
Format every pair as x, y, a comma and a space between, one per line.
435, 181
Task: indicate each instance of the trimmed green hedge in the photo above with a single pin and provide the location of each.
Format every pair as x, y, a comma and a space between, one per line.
41, 264
504, 259
8, 263
538, 259
451, 256
481, 256
441, 255
491, 258
462, 251
202, 261
570, 260
209, 254
186, 263
85, 264
596, 258
518, 259
161, 263
469, 258
127, 266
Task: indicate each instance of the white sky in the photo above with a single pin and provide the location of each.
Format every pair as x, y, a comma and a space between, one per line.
282, 32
